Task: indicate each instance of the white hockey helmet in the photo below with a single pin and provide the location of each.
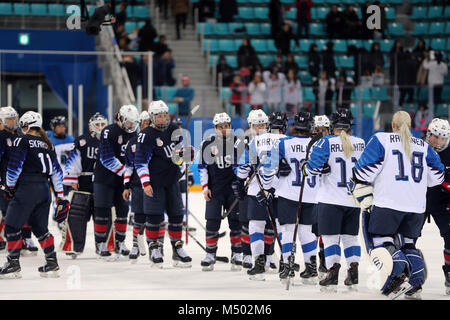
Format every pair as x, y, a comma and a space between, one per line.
30, 119
257, 117
144, 116
7, 113
220, 118
441, 129
321, 122
129, 118
96, 123
155, 108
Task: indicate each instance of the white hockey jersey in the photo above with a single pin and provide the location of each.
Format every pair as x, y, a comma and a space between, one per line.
333, 187
293, 149
399, 183
260, 148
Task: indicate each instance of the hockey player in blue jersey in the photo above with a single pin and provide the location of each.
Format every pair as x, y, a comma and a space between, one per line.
108, 180
133, 187
220, 154
333, 157
157, 165
32, 162
391, 179
62, 141
438, 136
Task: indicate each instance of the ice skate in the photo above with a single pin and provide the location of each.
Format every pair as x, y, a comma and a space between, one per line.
330, 282
271, 267
309, 275
180, 257
142, 244
447, 280
121, 249
11, 269
28, 248
208, 263
102, 252
156, 259
352, 277
51, 268
134, 254
258, 271
322, 270
236, 262
397, 286
286, 273
247, 262
2, 245
414, 293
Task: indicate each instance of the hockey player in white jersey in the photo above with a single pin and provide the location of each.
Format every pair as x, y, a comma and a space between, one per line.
391, 179
333, 157
258, 151
285, 159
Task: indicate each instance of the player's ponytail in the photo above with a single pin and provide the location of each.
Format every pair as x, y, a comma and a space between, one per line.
41, 132
346, 143
401, 123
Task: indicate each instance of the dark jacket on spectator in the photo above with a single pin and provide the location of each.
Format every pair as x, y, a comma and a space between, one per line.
227, 73
147, 34
246, 56
227, 9
328, 63
275, 16
283, 41
314, 62
335, 24
159, 48
307, 5
406, 69
206, 9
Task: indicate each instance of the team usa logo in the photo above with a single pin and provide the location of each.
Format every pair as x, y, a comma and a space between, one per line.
159, 142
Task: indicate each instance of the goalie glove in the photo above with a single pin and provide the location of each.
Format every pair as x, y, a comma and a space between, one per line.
62, 210
284, 168
361, 193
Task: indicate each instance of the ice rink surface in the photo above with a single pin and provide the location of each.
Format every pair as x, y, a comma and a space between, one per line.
87, 277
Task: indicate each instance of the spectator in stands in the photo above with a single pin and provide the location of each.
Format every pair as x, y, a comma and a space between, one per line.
352, 25
366, 33
437, 69
344, 88
162, 70
335, 23
257, 91
170, 65
290, 64
324, 89
147, 34
227, 9
359, 55
184, 96
366, 80
422, 118
276, 17
246, 55
277, 63
119, 32
132, 69
378, 77
292, 93
160, 47
180, 9
206, 10
226, 70
238, 89
406, 77
395, 53
328, 64
121, 16
376, 57
303, 17
314, 62
123, 43
163, 6
134, 39
284, 38
274, 81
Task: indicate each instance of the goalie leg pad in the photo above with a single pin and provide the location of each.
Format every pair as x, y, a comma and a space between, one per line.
416, 265
79, 214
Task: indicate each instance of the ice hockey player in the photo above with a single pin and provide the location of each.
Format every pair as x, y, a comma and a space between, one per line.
438, 136
33, 161
157, 165
108, 181
391, 179
333, 157
257, 154
133, 187
62, 141
286, 157
78, 174
220, 154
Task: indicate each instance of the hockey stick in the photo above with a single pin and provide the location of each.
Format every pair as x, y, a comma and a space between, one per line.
221, 235
291, 259
191, 113
218, 258
236, 201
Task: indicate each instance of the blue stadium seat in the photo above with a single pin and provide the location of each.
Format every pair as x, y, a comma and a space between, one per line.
302, 61
271, 45
441, 110
308, 94
368, 109
386, 45
435, 12
5, 9
213, 45
232, 61
438, 43
245, 13
259, 45
294, 49
213, 59
340, 46
379, 94
322, 12
316, 29
305, 44
265, 28
346, 61
364, 92
420, 28
56, 10
436, 28
419, 13
410, 106
226, 94
129, 26
321, 43
261, 13
305, 78
21, 8
172, 107
226, 45
221, 29
291, 14
253, 29
395, 29
265, 59
232, 26
447, 29
38, 9
208, 29
447, 12
446, 93
355, 42
139, 12
390, 13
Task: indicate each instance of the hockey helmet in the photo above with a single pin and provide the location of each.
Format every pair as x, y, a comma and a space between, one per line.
341, 118
155, 108
8, 113
30, 119
56, 121
321, 121
96, 124
257, 117
129, 118
278, 120
220, 118
303, 121
439, 128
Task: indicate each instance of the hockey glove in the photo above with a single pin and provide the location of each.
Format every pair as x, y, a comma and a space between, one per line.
361, 193
238, 189
284, 168
62, 210
8, 193
265, 197
180, 155
326, 170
